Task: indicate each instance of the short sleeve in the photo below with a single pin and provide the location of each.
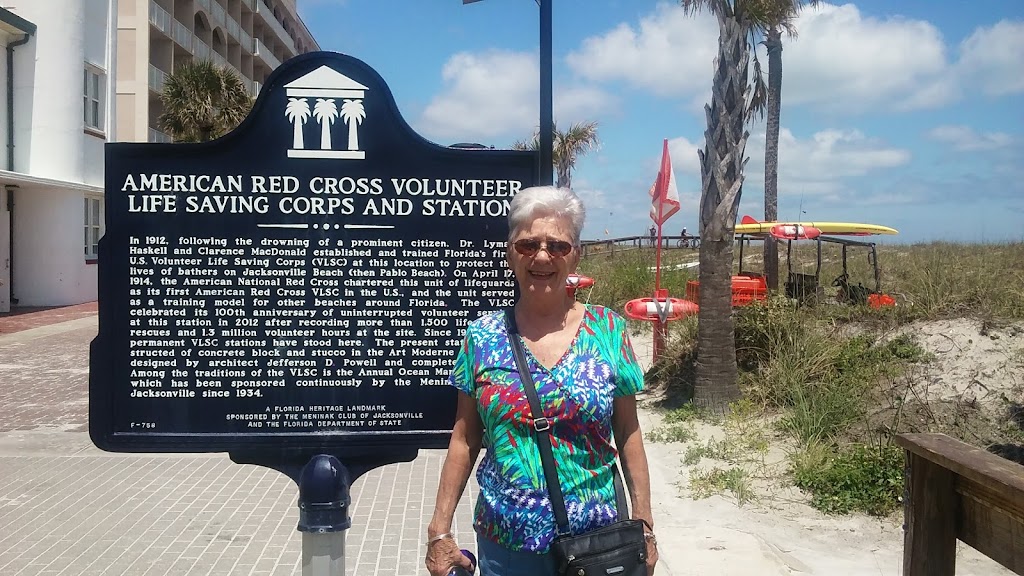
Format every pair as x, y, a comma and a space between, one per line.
629, 378
463, 376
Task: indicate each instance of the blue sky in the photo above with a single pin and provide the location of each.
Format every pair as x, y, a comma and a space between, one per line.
898, 113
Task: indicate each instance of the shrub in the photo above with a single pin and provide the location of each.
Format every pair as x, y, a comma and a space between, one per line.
856, 478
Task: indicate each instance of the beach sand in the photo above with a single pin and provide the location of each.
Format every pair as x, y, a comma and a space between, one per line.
777, 534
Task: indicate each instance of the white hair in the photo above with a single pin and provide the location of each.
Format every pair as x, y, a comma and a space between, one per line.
540, 201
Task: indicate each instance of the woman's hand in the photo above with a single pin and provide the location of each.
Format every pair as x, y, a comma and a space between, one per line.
443, 555
652, 553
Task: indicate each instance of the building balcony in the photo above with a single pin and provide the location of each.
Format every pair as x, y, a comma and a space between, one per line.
245, 40
268, 16
201, 50
219, 17
161, 19
260, 50
220, 61
182, 36
157, 79
160, 137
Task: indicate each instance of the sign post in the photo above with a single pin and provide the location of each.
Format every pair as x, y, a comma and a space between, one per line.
295, 292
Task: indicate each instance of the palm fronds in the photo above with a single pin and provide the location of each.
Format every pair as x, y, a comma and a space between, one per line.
202, 101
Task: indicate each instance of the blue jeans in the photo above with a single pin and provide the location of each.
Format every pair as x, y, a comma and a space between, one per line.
496, 560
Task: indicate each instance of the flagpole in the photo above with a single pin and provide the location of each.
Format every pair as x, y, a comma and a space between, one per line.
659, 323
657, 253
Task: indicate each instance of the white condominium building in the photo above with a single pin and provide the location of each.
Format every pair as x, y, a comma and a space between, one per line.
153, 36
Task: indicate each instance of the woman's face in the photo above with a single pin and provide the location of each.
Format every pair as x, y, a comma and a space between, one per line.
542, 270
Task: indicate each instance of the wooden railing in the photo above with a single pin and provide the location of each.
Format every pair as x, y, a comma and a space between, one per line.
612, 245
957, 491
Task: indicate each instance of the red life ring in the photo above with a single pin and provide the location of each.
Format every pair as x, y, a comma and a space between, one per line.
647, 308
576, 282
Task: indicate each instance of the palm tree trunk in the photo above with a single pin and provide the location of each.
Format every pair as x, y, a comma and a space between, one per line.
564, 179
771, 153
325, 134
353, 134
716, 384
722, 163
297, 143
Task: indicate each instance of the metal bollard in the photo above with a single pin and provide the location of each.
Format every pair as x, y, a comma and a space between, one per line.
323, 515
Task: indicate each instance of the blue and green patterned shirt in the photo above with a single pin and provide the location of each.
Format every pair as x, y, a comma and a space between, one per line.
577, 393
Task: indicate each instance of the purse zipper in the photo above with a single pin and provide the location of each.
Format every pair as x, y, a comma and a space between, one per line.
573, 557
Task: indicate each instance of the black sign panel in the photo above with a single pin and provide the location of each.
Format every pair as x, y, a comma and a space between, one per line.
301, 283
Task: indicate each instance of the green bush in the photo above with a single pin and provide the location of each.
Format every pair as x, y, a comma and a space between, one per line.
795, 362
858, 478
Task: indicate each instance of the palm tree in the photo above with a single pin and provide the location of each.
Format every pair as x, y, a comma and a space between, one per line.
567, 147
297, 112
779, 18
325, 112
353, 114
722, 161
202, 101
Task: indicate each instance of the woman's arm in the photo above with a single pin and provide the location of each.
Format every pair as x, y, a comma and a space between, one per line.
629, 439
463, 449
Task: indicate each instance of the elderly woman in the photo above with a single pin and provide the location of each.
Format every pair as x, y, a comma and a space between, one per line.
586, 375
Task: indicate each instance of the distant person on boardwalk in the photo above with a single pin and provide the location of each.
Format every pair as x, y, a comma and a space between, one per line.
587, 376
652, 233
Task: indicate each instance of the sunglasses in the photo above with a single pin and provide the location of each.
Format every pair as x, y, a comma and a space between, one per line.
555, 248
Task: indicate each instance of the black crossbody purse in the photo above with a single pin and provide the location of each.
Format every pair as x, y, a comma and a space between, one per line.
619, 549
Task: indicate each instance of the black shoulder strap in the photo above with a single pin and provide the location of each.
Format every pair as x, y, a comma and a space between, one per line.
542, 426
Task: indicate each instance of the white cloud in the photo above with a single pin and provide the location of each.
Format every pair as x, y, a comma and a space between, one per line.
485, 95
684, 155
496, 94
843, 60
967, 139
990, 58
814, 166
668, 53
819, 165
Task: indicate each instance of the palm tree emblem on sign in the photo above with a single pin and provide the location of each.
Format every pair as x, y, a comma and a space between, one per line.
353, 114
326, 88
297, 113
325, 112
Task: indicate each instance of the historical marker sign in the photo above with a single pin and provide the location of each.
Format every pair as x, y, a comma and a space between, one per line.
303, 282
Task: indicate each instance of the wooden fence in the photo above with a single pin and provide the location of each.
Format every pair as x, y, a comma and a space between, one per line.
957, 491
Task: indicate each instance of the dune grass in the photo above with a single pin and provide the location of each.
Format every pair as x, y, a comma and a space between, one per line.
819, 382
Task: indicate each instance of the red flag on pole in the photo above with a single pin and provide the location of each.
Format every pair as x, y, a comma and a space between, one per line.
664, 195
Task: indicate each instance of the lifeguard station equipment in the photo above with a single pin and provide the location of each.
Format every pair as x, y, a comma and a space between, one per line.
576, 282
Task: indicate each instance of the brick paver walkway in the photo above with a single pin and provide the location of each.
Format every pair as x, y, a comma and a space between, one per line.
20, 319
67, 508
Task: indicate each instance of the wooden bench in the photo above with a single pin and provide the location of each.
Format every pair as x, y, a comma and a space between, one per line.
958, 491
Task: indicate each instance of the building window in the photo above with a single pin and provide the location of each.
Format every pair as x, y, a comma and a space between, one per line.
92, 97
93, 225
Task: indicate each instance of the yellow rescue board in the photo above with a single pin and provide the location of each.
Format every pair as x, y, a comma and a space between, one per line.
835, 228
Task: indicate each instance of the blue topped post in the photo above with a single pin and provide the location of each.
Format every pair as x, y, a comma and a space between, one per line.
323, 515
